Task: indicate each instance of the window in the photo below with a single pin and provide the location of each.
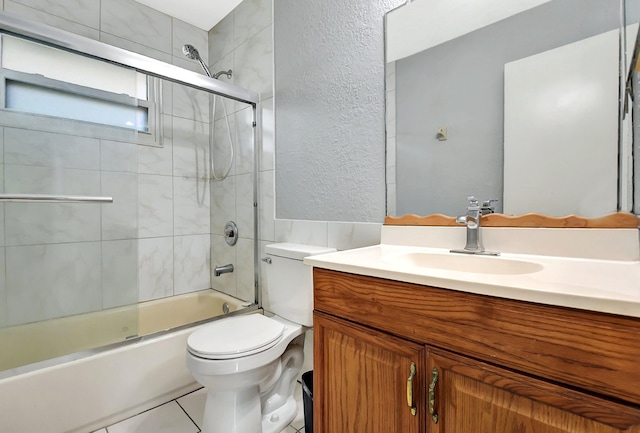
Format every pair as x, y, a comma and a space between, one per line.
119, 102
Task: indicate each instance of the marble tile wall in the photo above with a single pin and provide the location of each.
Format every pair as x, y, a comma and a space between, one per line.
242, 42
155, 239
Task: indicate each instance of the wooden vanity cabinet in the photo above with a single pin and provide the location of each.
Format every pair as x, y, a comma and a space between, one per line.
483, 365
360, 379
472, 396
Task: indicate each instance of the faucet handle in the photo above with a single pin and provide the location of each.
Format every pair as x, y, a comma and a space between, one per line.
488, 207
473, 202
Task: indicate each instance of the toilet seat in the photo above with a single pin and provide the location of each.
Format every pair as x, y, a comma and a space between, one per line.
235, 337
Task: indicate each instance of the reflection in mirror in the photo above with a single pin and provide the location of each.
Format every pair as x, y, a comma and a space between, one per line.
509, 100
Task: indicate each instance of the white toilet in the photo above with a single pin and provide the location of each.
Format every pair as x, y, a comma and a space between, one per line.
247, 362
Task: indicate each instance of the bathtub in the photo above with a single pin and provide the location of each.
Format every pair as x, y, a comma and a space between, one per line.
92, 388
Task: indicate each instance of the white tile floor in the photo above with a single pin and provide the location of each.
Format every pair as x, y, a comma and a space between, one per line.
184, 415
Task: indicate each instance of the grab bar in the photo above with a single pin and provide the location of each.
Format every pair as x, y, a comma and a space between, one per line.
49, 198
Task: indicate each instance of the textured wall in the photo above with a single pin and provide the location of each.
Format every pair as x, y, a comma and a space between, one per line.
329, 96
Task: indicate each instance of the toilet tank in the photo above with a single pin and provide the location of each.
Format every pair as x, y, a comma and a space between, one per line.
289, 282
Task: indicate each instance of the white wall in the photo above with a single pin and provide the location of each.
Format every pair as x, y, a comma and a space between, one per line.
445, 20
561, 130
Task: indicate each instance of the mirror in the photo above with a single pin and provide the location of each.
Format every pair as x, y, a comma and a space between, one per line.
510, 100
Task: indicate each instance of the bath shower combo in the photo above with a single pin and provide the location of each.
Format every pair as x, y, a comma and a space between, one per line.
192, 53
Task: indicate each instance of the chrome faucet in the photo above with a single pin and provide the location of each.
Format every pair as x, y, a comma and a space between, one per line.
224, 269
472, 220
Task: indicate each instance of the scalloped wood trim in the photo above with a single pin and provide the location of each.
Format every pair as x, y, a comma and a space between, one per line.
618, 220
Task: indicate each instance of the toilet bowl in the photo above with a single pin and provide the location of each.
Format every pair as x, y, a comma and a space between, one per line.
249, 364
245, 373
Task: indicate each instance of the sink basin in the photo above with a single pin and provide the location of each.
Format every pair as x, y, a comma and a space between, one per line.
464, 263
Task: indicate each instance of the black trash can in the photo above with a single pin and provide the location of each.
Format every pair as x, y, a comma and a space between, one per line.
307, 400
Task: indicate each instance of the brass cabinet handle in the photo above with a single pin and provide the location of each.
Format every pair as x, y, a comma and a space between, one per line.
432, 395
410, 401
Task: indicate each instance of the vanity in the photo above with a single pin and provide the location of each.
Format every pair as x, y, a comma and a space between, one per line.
409, 337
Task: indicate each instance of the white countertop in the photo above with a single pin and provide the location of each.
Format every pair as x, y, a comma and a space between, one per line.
609, 286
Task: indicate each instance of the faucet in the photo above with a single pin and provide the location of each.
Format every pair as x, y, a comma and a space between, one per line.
472, 221
224, 269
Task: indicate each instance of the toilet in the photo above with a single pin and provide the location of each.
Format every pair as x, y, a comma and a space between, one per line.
249, 364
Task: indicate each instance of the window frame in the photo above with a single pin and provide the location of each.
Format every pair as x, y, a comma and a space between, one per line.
52, 123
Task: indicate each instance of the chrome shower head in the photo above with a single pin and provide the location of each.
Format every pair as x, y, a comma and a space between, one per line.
193, 54
190, 51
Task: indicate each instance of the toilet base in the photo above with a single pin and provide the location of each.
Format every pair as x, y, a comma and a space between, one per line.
235, 411
279, 419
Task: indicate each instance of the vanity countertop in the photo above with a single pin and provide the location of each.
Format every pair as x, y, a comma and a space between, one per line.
604, 285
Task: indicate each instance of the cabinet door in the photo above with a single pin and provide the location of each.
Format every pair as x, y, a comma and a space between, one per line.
363, 380
468, 396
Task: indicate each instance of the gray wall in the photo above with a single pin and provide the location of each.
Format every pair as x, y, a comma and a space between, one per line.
459, 84
329, 109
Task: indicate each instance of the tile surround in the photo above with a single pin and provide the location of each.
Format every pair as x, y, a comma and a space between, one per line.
223, 204
86, 12
120, 218
267, 150
266, 228
158, 160
254, 63
150, 206
67, 281
37, 223
155, 206
222, 254
42, 16
222, 149
184, 33
190, 103
191, 274
245, 275
244, 205
221, 39
121, 287
244, 141
45, 149
251, 16
191, 208
190, 148
339, 235
155, 268
137, 23
118, 156
3, 291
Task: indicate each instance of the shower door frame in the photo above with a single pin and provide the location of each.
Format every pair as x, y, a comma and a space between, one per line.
57, 38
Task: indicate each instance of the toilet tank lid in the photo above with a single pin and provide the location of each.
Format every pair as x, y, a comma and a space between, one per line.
295, 251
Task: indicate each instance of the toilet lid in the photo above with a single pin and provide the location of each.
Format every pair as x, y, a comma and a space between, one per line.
235, 337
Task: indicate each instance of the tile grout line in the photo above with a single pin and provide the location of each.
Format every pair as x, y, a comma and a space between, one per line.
187, 414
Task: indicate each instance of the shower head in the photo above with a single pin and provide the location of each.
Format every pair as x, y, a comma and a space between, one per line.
193, 54
190, 51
